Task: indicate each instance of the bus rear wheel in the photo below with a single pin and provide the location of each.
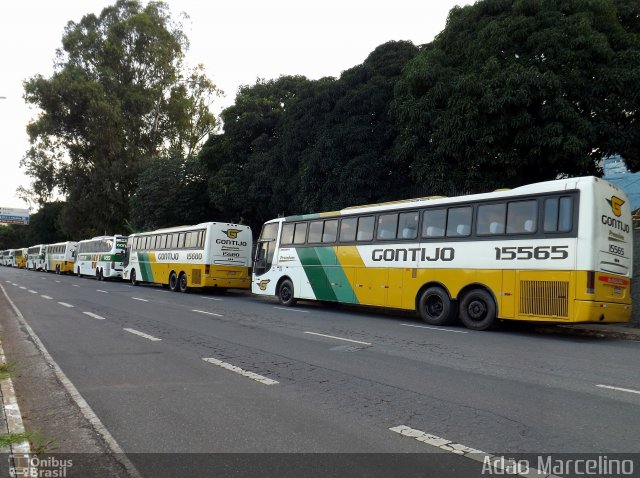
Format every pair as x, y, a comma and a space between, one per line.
285, 293
183, 282
173, 282
435, 307
478, 310
133, 277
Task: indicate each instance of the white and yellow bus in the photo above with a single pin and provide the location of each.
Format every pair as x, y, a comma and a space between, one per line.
212, 254
556, 251
101, 257
19, 258
36, 257
60, 257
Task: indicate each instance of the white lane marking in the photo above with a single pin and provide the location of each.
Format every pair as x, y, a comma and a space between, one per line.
13, 283
239, 371
103, 291
84, 407
142, 334
339, 338
500, 464
65, 304
23, 287
8, 281
58, 281
629, 390
292, 310
95, 316
32, 291
205, 312
76, 285
46, 297
436, 328
43, 278
138, 298
212, 298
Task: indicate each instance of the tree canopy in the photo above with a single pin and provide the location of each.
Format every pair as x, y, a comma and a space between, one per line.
119, 96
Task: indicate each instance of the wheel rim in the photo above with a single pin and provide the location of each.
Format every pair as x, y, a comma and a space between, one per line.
173, 282
183, 281
434, 306
477, 310
285, 293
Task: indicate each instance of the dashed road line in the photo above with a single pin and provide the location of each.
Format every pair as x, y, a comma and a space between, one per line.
205, 312
239, 371
58, 281
95, 316
619, 389
498, 464
436, 328
292, 310
103, 291
339, 338
141, 300
46, 297
212, 298
32, 291
8, 281
76, 285
22, 287
142, 334
65, 304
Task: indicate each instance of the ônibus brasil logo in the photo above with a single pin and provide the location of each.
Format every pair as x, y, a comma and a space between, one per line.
616, 205
232, 233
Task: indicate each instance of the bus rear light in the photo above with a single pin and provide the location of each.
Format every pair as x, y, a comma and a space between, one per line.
591, 282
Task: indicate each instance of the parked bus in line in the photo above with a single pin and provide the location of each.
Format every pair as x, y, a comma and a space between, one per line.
557, 251
20, 258
4, 257
11, 259
60, 257
101, 257
36, 257
211, 254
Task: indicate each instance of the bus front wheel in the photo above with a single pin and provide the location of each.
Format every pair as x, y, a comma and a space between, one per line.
285, 293
478, 310
435, 307
183, 282
133, 277
173, 282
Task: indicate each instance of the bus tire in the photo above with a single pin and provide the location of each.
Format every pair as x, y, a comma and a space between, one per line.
97, 274
478, 310
79, 274
134, 282
285, 293
182, 282
435, 307
173, 282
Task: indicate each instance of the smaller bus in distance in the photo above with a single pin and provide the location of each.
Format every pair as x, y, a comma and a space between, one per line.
20, 258
36, 257
60, 257
11, 261
101, 257
4, 257
210, 254
558, 251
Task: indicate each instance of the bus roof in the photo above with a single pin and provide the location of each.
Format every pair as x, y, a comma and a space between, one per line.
188, 228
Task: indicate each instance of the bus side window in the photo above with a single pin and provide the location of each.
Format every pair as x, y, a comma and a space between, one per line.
315, 231
287, 234
459, 221
558, 214
330, 232
365, 228
348, 229
300, 234
434, 222
522, 217
408, 225
491, 219
387, 226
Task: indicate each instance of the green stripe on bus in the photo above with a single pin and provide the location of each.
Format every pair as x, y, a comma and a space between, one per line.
325, 274
145, 266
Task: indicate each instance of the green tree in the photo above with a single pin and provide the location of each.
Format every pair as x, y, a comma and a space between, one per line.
171, 192
119, 96
517, 91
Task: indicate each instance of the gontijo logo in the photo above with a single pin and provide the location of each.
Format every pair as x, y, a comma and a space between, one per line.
232, 233
263, 284
616, 205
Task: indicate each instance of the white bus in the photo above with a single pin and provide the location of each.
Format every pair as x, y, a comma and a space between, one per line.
4, 257
36, 257
211, 254
60, 257
557, 251
101, 257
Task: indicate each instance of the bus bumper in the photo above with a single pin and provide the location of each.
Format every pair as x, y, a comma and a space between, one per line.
600, 312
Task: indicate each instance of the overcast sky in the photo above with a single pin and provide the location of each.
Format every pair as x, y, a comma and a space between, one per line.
237, 41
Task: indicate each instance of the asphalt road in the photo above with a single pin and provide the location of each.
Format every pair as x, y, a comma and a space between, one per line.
345, 376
